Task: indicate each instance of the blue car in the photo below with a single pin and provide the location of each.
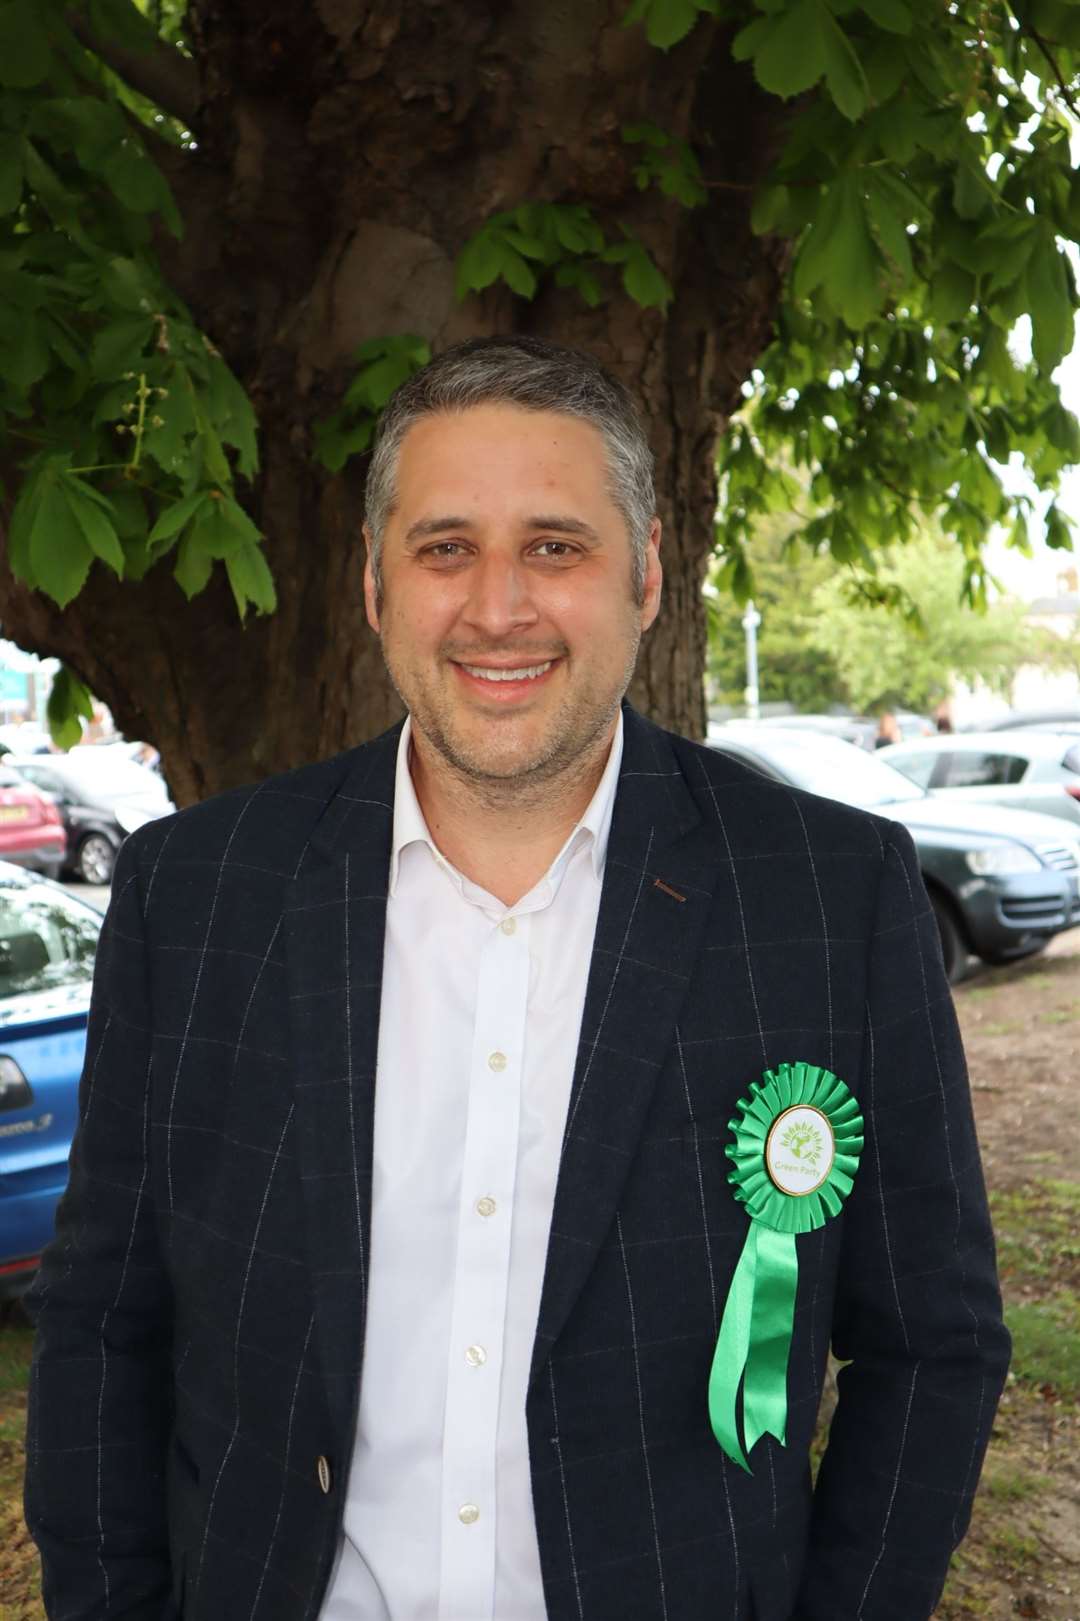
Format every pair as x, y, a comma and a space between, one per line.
48, 941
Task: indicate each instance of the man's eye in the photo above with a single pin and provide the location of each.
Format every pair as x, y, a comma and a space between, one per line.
443, 549
554, 548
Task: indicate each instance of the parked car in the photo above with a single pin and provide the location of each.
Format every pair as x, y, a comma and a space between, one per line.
1020, 719
1027, 770
1001, 882
31, 830
48, 941
102, 795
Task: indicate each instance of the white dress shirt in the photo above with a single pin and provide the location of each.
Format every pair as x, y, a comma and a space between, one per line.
478, 1030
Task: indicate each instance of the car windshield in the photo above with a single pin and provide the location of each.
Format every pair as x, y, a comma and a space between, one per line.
47, 940
835, 770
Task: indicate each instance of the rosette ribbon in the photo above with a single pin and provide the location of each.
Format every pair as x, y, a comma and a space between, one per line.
752, 1348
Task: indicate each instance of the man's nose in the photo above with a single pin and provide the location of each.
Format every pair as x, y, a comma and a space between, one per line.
500, 597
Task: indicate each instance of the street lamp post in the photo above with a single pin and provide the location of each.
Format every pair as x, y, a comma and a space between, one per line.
750, 621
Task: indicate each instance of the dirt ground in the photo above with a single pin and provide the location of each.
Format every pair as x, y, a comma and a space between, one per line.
1022, 1556
1022, 1032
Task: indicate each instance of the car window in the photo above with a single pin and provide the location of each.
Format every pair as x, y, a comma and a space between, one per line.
46, 940
918, 765
975, 769
40, 779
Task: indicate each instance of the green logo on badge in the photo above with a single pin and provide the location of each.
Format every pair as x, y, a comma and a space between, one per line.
803, 1141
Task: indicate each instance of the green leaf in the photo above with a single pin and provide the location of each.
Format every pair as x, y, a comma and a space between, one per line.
193, 568
213, 532
233, 415
517, 274
1049, 303
59, 553
952, 293
1059, 534
479, 263
892, 15
336, 439
668, 21
11, 172
854, 284
890, 227
251, 580
122, 21
769, 208
24, 350
97, 527
25, 54
844, 76
972, 192
119, 347
173, 518
641, 277
137, 182
792, 57
68, 699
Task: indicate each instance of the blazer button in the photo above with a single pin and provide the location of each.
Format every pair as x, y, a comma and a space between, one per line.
322, 1469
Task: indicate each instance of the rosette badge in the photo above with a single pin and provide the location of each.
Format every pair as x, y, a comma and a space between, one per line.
797, 1136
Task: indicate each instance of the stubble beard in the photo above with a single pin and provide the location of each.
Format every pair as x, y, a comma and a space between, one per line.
563, 756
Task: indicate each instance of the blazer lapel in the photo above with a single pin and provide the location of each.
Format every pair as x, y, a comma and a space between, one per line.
335, 924
659, 878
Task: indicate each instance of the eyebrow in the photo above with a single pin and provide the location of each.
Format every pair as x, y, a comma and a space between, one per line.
560, 521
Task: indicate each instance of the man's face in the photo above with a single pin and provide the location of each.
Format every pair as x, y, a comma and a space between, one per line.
508, 619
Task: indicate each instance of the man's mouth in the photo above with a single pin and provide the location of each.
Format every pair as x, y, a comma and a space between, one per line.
520, 672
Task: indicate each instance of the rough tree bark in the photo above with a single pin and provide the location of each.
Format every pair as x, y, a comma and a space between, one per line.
346, 151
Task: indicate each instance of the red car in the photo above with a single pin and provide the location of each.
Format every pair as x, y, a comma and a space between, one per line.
31, 831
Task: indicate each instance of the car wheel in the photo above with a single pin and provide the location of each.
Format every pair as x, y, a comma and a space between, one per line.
953, 947
94, 859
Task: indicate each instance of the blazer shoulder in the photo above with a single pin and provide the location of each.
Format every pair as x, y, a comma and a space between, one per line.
730, 792
266, 824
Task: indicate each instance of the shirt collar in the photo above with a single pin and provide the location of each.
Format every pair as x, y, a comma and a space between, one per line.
595, 825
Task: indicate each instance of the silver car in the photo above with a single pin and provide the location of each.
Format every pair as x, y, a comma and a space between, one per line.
1028, 770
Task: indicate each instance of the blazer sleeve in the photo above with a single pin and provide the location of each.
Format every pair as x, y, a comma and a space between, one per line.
918, 1313
100, 1403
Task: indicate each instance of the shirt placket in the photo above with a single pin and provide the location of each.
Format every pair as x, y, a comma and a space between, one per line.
481, 1277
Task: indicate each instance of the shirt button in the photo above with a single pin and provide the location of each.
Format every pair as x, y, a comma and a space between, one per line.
485, 1206
497, 1062
476, 1356
508, 925
468, 1513
322, 1470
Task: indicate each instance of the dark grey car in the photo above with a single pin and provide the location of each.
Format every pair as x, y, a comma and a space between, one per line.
1001, 882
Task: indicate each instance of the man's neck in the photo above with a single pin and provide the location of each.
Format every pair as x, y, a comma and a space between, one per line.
503, 836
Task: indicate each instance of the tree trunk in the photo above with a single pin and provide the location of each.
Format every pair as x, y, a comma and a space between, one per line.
346, 152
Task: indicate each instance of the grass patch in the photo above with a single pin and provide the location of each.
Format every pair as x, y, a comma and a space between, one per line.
1038, 1235
1046, 1343
1008, 1028
1008, 1485
1018, 1553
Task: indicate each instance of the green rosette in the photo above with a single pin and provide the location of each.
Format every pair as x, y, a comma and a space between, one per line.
797, 1137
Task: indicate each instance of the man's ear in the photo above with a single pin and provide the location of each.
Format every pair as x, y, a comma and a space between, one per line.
371, 600
654, 576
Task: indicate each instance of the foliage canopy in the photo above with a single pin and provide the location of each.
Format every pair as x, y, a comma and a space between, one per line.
923, 177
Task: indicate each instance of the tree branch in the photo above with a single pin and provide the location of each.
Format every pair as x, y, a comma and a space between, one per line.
161, 72
1037, 39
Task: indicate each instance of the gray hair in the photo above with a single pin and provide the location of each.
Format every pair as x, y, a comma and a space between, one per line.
537, 376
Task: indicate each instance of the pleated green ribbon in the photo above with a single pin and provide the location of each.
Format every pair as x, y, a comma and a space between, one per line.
798, 1134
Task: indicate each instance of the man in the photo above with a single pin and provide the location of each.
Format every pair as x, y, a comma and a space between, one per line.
400, 1232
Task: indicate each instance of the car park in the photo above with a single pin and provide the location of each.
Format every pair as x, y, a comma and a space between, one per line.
1001, 882
102, 796
48, 941
1026, 770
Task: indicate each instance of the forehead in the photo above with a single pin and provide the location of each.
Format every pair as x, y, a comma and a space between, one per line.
501, 456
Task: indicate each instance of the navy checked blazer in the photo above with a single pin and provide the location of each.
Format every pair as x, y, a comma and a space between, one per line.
201, 1310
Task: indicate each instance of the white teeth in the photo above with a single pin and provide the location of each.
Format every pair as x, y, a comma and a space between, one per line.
528, 674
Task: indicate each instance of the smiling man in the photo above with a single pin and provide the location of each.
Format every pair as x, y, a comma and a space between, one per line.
486, 1134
